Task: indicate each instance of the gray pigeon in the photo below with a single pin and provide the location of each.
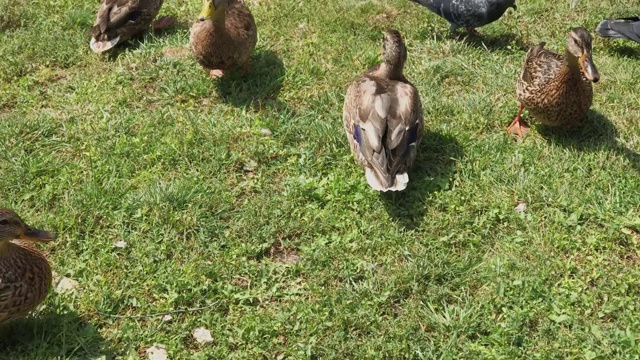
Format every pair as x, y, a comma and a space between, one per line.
625, 28
469, 14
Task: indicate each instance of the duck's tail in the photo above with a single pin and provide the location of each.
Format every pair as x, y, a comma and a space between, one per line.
625, 28
104, 45
380, 183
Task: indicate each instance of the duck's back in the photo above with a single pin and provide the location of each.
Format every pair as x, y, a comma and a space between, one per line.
384, 124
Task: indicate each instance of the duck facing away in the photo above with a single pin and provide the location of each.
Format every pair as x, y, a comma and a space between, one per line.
468, 14
119, 20
556, 89
383, 119
25, 274
223, 36
625, 28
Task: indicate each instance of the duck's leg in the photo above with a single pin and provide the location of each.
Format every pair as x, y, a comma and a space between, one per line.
163, 23
215, 73
245, 67
518, 127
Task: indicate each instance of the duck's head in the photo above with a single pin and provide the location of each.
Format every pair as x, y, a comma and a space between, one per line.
12, 227
393, 49
579, 47
212, 7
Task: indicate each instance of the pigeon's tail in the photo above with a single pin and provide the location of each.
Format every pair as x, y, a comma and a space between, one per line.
628, 28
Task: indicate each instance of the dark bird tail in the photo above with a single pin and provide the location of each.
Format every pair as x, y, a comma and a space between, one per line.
626, 28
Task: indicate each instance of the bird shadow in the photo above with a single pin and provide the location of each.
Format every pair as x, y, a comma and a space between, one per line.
597, 134
51, 336
260, 84
624, 51
483, 41
136, 41
432, 172
509, 41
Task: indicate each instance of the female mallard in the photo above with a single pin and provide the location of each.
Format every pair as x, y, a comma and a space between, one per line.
383, 118
223, 36
557, 89
25, 275
119, 20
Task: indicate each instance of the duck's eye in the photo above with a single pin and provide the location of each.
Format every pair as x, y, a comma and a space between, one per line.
4, 222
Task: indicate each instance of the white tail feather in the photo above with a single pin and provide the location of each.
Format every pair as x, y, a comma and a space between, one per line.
399, 184
102, 46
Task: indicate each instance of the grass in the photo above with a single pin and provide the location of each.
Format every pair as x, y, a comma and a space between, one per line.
280, 236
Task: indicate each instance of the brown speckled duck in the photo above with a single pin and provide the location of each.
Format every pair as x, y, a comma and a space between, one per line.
557, 89
25, 275
223, 36
383, 119
119, 20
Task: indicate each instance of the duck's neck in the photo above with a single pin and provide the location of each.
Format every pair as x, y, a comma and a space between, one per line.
218, 18
389, 70
573, 65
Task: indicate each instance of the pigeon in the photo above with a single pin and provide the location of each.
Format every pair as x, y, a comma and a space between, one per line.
625, 28
469, 14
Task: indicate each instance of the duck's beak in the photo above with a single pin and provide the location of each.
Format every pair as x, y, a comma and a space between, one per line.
589, 68
207, 11
37, 235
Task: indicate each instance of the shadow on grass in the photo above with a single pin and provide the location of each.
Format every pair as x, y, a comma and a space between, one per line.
493, 43
52, 336
432, 172
597, 133
488, 42
146, 36
260, 84
624, 50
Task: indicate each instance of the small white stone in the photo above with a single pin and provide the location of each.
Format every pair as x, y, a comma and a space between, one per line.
157, 352
120, 244
167, 318
266, 132
66, 285
521, 207
202, 335
250, 165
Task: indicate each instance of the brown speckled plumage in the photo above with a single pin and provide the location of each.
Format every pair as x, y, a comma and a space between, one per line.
121, 19
227, 40
383, 119
25, 274
555, 88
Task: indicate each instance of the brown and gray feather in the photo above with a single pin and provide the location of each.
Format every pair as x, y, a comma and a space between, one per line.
222, 46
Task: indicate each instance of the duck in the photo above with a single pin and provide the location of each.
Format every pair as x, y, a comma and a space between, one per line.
383, 118
223, 36
119, 20
556, 89
624, 28
25, 274
468, 14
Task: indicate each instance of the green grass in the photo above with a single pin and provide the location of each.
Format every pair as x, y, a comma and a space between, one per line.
281, 235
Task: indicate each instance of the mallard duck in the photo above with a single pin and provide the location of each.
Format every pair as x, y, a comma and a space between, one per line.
25, 275
557, 89
383, 118
223, 36
469, 14
625, 28
119, 20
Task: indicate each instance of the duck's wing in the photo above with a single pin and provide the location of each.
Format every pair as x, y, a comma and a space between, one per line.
387, 125
541, 65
